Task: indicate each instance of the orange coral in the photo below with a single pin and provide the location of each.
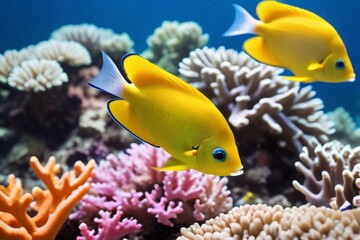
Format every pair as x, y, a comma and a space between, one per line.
52, 206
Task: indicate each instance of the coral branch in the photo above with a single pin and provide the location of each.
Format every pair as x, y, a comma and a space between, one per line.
52, 206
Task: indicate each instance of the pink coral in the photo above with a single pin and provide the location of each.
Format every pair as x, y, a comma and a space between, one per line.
109, 227
143, 193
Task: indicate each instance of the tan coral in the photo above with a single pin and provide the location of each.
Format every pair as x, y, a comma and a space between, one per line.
256, 100
265, 222
37, 75
332, 174
70, 52
173, 41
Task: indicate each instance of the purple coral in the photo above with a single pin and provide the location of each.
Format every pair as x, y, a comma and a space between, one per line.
145, 194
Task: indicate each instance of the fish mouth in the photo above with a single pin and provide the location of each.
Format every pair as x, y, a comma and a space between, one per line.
352, 77
237, 172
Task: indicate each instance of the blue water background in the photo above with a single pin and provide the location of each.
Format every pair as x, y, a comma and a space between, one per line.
28, 22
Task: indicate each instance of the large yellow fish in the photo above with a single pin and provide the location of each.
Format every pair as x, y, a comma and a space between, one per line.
296, 39
163, 110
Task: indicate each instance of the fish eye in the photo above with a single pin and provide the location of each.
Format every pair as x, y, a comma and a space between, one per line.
339, 64
219, 154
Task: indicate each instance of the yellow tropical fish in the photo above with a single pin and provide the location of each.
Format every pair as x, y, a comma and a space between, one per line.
296, 39
163, 110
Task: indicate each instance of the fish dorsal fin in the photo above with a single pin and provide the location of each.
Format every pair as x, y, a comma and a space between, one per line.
124, 115
142, 73
256, 48
272, 10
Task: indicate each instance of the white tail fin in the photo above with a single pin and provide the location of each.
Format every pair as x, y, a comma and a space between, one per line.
244, 23
109, 79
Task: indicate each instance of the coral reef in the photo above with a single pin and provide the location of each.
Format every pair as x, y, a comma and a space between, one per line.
331, 177
50, 207
257, 102
345, 127
151, 196
265, 222
173, 41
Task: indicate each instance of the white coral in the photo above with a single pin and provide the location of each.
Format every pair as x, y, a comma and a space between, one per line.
69, 52
87, 35
9, 60
37, 75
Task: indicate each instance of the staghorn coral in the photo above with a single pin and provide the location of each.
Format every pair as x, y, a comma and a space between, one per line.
171, 198
72, 53
265, 222
37, 75
256, 100
331, 177
345, 127
52, 206
173, 41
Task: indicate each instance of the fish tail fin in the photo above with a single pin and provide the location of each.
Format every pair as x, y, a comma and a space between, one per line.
244, 23
109, 78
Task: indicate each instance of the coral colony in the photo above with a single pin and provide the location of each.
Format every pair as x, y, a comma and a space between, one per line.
301, 174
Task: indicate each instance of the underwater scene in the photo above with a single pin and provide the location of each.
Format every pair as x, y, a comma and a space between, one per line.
202, 119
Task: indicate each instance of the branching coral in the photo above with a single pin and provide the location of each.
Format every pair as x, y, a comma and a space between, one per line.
37, 75
256, 100
265, 222
173, 41
52, 206
145, 194
331, 177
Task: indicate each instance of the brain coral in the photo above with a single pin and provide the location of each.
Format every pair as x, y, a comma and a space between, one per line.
265, 222
258, 103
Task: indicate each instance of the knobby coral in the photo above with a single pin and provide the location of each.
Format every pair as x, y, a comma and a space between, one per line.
258, 103
265, 222
146, 195
332, 176
50, 208
173, 41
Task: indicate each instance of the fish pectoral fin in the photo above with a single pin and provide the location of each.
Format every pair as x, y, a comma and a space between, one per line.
299, 79
191, 153
173, 165
122, 113
315, 66
257, 49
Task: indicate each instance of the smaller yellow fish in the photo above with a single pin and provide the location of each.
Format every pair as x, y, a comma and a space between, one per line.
163, 110
296, 39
